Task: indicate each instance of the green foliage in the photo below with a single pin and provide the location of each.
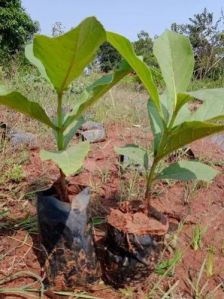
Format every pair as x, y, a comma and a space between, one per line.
61, 60
18, 102
108, 57
95, 91
135, 153
206, 36
125, 48
188, 170
167, 267
197, 237
174, 55
16, 28
75, 50
70, 160
144, 48
14, 173
173, 125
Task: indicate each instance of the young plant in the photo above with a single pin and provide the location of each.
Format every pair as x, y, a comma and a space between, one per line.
173, 124
61, 60
197, 238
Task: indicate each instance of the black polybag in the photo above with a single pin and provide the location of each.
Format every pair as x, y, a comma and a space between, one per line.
67, 240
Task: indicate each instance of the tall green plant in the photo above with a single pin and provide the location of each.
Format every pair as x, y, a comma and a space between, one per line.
61, 60
172, 123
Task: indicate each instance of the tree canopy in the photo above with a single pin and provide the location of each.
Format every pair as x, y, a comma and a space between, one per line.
207, 38
16, 27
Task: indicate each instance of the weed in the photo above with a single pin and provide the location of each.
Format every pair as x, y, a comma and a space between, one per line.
210, 261
15, 174
195, 284
104, 175
197, 237
167, 267
131, 188
127, 293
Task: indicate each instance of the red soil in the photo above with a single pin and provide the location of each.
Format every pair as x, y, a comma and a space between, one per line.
203, 205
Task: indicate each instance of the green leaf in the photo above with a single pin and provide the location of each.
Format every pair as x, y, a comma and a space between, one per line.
157, 124
188, 170
213, 104
175, 57
211, 109
70, 160
95, 91
186, 133
64, 57
182, 99
18, 102
135, 153
30, 56
166, 107
125, 48
182, 113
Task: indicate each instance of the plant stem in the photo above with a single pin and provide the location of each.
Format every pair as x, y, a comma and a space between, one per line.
60, 184
60, 136
150, 178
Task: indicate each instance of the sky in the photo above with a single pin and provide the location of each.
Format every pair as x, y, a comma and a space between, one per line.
127, 17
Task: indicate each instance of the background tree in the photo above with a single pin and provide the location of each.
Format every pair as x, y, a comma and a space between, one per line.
207, 38
16, 28
108, 57
144, 47
58, 29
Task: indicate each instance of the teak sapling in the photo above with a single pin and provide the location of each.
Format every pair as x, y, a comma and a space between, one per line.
61, 60
173, 124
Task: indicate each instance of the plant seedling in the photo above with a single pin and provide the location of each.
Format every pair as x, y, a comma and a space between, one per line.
210, 261
167, 267
197, 238
61, 60
173, 124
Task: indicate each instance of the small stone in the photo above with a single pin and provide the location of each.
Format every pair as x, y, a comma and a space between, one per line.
96, 135
93, 132
91, 125
19, 138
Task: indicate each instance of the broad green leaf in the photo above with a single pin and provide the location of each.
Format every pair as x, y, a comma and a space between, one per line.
182, 99
70, 160
134, 153
64, 57
157, 124
186, 133
95, 91
72, 130
18, 102
125, 48
175, 57
30, 56
188, 170
213, 104
182, 113
166, 107
211, 109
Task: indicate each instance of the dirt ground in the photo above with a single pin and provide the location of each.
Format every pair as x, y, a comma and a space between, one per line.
198, 274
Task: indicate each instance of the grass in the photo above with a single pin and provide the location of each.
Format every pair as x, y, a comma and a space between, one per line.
29, 290
197, 238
